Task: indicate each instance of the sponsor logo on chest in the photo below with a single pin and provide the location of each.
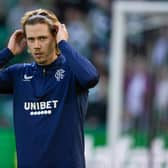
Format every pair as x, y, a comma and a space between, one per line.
40, 108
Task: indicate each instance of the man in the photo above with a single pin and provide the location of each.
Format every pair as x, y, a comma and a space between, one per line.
50, 94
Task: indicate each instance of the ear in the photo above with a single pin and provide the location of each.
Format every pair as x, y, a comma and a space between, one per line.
23, 43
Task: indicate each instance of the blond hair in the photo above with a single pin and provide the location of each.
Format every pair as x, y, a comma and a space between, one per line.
41, 16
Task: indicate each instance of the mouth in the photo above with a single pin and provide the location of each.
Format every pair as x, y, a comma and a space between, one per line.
37, 55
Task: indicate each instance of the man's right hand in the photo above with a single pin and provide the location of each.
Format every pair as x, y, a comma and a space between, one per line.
17, 42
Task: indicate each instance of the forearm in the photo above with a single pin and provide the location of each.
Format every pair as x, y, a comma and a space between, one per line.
84, 70
5, 56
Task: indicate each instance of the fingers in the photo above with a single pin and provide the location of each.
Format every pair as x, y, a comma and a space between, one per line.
59, 26
62, 33
18, 33
63, 27
56, 26
17, 42
17, 36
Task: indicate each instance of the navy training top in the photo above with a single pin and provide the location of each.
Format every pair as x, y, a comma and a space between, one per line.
50, 103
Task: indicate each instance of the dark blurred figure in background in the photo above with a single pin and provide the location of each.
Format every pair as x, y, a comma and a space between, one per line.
138, 96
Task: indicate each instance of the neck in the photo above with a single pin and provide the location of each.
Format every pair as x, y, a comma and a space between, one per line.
53, 58
50, 60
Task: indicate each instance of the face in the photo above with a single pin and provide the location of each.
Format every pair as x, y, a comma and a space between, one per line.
41, 43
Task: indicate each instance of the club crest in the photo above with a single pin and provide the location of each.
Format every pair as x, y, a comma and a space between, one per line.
59, 75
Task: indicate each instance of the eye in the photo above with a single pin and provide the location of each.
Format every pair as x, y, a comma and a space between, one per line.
42, 38
31, 40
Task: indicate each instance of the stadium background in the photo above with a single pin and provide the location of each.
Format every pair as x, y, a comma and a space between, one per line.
145, 82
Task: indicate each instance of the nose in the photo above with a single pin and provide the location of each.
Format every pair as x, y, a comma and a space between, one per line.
37, 44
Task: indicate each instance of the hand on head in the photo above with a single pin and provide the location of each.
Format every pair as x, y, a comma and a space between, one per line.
62, 33
17, 42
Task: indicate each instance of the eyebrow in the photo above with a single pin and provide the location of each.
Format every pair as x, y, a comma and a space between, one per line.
41, 36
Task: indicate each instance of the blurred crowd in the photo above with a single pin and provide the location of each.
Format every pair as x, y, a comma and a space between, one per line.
145, 86
89, 23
